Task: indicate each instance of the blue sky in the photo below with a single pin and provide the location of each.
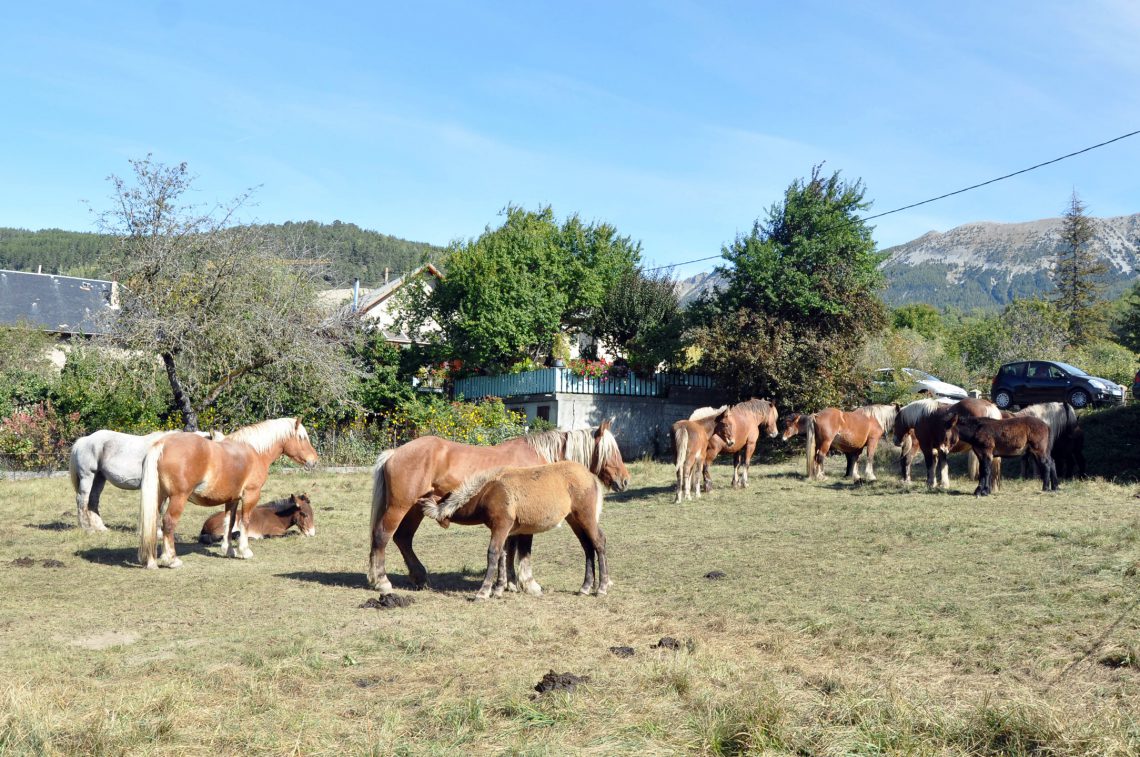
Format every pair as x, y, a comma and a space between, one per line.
678, 122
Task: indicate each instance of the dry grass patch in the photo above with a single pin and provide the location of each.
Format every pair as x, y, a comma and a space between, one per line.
864, 619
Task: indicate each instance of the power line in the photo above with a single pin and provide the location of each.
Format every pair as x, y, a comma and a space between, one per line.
948, 194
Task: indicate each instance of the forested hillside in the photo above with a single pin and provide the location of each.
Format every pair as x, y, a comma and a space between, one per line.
350, 250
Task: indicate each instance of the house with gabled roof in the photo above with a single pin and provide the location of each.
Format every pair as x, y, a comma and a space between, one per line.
67, 305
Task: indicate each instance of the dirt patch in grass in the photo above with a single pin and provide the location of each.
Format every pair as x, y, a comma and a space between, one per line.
106, 640
622, 651
559, 682
387, 602
23, 562
716, 575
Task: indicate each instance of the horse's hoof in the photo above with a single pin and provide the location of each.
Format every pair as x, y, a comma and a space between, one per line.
481, 597
151, 565
534, 589
175, 563
498, 592
246, 554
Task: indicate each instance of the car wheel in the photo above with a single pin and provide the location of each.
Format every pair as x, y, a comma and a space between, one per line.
1079, 399
1003, 399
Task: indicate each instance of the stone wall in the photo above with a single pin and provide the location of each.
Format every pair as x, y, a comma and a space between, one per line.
641, 424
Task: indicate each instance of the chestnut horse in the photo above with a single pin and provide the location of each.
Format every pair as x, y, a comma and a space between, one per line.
850, 433
925, 420
269, 519
737, 430
690, 443
185, 467
430, 465
522, 502
1005, 437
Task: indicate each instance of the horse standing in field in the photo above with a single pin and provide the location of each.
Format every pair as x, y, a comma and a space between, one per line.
110, 456
430, 465
929, 419
185, 467
267, 520
849, 432
522, 502
744, 422
690, 442
1066, 438
1005, 437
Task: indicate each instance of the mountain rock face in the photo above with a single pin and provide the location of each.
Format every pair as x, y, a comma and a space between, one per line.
988, 264
689, 290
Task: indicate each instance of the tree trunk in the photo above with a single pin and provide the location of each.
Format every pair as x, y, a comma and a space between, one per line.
181, 398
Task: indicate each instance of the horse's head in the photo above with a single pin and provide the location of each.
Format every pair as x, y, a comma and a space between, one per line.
771, 421
793, 425
607, 464
298, 448
947, 432
725, 427
303, 514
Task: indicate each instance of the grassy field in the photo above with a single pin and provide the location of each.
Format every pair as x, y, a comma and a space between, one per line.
865, 619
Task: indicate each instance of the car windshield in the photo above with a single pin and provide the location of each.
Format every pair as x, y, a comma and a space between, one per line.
921, 375
1071, 370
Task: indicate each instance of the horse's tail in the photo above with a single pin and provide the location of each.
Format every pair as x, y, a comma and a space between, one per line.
681, 442
972, 466
379, 489
441, 510
812, 445
73, 468
149, 504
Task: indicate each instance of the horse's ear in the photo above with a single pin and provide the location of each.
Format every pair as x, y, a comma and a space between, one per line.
297, 423
896, 405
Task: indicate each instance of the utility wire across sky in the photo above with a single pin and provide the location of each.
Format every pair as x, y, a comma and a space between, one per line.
944, 196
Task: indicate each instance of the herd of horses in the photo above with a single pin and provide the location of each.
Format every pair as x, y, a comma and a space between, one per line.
532, 483
937, 427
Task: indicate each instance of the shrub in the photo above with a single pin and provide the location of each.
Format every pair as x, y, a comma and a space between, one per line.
39, 438
485, 422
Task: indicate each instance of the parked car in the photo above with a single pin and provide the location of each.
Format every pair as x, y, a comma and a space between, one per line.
1027, 382
920, 382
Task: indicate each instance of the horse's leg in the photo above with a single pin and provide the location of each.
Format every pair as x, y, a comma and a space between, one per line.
995, 474
501, 573
248, 502
711, 451
174, 509
526, 577
604, 583
985, 470
94, 519
588, 548
403, 538
944, 468
228, 527
930, 456
852, 472
511, 562
749, 449
385, 529
494, 552
820, 456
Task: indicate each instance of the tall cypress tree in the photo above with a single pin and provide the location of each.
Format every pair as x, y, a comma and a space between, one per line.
1078, 276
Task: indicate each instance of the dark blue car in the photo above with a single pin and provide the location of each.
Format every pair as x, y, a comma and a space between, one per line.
1028, 382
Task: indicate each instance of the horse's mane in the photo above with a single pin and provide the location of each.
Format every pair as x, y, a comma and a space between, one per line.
262, 436
884, 414
912, 413
438, 510
281, 505
706, 412
755, 405
1058, 416
577, 445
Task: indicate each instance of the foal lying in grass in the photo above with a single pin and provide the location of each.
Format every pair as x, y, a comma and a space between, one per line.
270, 519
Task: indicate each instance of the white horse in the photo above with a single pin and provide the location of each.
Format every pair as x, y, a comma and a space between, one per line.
109, 456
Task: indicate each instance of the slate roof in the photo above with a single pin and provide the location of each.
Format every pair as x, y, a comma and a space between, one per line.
62, 304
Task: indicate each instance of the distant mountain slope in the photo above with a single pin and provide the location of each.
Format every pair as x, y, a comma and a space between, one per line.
352, 252
988, 264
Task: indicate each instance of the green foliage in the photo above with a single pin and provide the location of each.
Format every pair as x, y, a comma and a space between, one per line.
641, 319
920, 317
112, 392
38, 438
485, 422
382, 383
26, 373
507, 294
1077, 276
1126, 325
801, 299
1106, 359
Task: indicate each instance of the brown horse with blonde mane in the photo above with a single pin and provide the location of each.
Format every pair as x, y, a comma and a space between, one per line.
522, 502
690, 443
432, 466
848, 432
1005, 437
184, 467
737, 430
